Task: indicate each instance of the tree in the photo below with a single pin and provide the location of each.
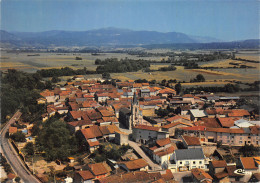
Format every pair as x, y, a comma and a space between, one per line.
178, 88
78, 58
18, 137
162, 112
98, 62
200, 78
163, 82
55, 79
29, 148
152, 81
231, 88
106, 75
35, 130
56, 141
249, 150
17, 179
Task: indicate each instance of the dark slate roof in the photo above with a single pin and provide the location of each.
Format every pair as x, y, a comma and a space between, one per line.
134, 98
189, 154
125, 110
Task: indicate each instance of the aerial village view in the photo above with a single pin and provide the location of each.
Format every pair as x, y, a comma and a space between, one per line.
129, 91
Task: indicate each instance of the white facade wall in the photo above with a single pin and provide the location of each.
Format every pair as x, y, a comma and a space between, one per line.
200, 163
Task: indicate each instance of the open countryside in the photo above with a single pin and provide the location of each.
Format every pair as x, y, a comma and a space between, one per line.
25, 62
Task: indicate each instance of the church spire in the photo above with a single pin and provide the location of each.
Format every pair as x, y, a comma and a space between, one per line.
134, 98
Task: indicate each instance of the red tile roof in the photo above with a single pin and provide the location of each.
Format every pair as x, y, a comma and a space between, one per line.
188, 96
145, 84
93, 114
99, 168
80, 123
93, 143
86, 175
165, 151
176, 124
65, 93
113, 128
144, 127
219, 163
200, 174
74, 106
102, 94
47, 93
132, 177
226, 122
225, 130
255, 129
163, 142
248, 163
209, 122
195, 128
167, 175
217, 111
106, 113
167, 91
90, 104
221, 175
238, 113
231, 169
110, 119
88, 96
135, 164
87, 133
76, 114
191, 141
153, 148
95, 129
222, 130
137, 85
104, 130
12, 129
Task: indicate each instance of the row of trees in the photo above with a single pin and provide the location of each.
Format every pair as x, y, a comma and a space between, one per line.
180, 57
126, 65
229, 88
65, 71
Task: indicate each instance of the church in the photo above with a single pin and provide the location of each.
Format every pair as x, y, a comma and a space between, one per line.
133, 116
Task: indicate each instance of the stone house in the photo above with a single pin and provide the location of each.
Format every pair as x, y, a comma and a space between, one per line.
144, 134
187, 159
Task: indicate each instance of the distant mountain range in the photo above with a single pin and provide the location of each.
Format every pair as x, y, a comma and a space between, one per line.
100, 37
106, 36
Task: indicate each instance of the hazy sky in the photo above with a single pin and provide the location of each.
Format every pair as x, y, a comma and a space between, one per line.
222, 19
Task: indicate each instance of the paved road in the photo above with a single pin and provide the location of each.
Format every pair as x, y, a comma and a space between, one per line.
12, 156
136, 147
